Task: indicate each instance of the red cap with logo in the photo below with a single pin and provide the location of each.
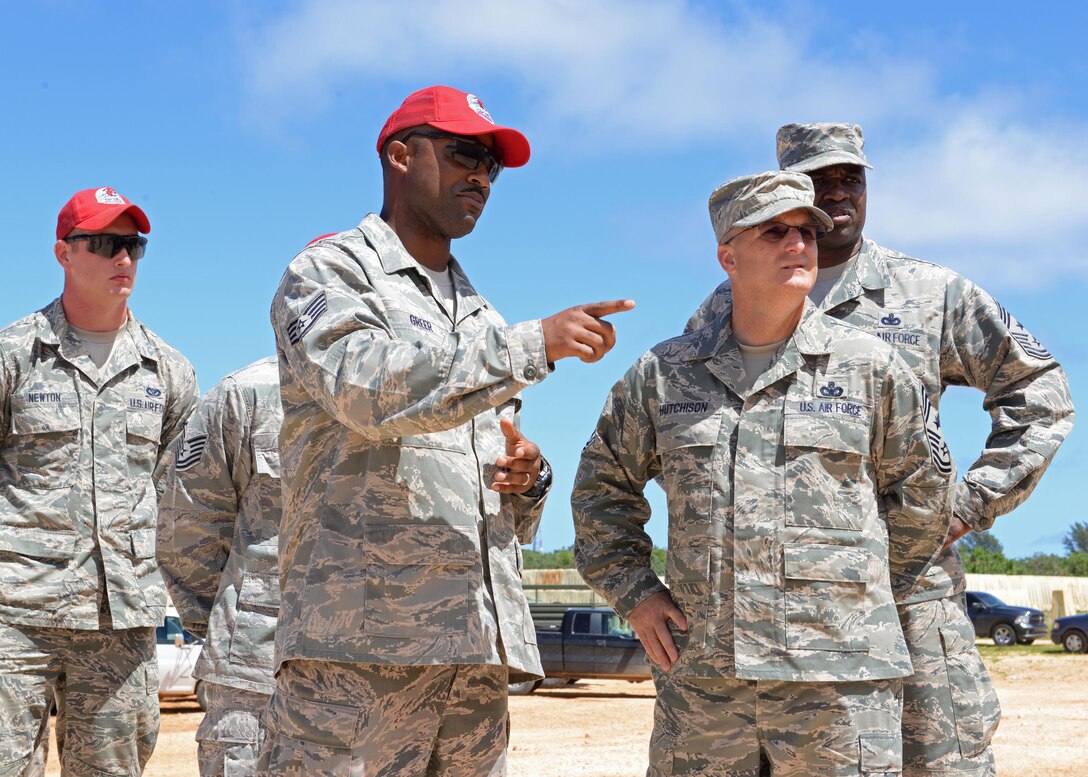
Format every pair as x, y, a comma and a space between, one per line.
96, 208
458, 113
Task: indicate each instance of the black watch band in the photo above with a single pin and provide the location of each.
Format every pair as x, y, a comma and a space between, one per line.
543, 481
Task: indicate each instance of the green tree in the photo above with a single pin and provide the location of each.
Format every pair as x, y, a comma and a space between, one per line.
1076, 564
657, 561
1077, 538
1044, 564
987, 562
980, 539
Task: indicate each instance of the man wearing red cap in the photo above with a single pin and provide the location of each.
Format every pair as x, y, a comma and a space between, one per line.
90, 400
407, 486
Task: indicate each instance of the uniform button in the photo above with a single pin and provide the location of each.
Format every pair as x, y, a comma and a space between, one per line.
530, 372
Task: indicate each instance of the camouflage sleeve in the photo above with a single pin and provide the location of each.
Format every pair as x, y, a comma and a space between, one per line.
198, 512
340, 345
611, 547
710, 309
183, 397
5, 398
1027, 397
914, 474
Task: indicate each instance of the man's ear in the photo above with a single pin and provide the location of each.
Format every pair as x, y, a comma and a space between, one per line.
726, 258
397, 155
60, 250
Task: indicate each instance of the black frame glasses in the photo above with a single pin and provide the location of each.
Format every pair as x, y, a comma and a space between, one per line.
776, 232
108, 246
464, 151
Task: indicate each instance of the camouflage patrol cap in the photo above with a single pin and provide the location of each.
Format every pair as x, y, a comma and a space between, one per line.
753, 199
807, 147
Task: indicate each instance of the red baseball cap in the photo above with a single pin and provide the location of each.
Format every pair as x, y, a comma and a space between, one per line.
97, 208
459, 113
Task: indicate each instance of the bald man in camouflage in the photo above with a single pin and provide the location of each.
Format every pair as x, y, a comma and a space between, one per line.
951, 333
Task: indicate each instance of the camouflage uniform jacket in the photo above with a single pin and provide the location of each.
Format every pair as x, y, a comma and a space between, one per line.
795, 508
390, 434
81, 453
952, 333
219, 522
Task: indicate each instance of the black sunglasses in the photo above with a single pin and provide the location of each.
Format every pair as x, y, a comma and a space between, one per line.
463, 151
109, 246
776, 231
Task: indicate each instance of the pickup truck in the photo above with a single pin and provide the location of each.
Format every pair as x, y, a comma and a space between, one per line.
588, 642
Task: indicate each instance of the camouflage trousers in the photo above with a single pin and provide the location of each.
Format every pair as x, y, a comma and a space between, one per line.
950, 708
105, 687
743, 728
227, 735
330, 719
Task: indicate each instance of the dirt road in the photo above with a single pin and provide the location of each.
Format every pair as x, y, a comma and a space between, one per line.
601, 729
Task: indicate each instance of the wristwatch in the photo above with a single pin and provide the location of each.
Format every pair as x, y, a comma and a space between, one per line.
543, 481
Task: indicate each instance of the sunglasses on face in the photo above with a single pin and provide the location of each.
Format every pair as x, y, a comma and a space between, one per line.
463, 151
109, 246
776, 232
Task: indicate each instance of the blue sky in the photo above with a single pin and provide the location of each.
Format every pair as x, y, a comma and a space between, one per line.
245, 129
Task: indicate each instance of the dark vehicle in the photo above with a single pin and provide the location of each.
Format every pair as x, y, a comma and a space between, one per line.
1003, 623
1071, 632
588, 642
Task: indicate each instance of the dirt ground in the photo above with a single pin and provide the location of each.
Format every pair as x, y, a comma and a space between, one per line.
601, 728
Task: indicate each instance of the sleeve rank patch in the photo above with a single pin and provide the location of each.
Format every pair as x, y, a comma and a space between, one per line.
938, 448
190, 452
301, 325
1023, 337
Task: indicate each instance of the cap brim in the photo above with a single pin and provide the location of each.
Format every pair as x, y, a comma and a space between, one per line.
827, 159
785, 206
106, 217
511, 144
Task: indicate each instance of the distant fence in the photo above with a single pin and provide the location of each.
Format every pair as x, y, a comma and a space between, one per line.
1056, 596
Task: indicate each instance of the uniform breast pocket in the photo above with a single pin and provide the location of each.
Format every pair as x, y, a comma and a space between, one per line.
824, 597
827, 484
686, 446
418, 580
46, 442
266, 459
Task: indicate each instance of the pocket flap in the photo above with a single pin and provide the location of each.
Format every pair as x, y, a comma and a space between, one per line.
436, 544
145, 424
259, 590
826, 431
832, 563
267, 461
320, 723
685, 426
880, 753
38, 543
687, 565
143, 543
44, 417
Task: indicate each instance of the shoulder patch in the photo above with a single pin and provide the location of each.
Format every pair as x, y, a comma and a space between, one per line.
190, 452
301, 325
1023, 337
938, 448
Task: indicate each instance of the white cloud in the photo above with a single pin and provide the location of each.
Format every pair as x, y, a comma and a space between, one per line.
961, 179
994, 198
644, 68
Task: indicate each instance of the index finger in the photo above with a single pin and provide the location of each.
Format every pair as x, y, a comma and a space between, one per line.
599, 309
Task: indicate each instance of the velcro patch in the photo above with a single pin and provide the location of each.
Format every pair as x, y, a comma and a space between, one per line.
190, 452
1023, 337
301, 325
938, 448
